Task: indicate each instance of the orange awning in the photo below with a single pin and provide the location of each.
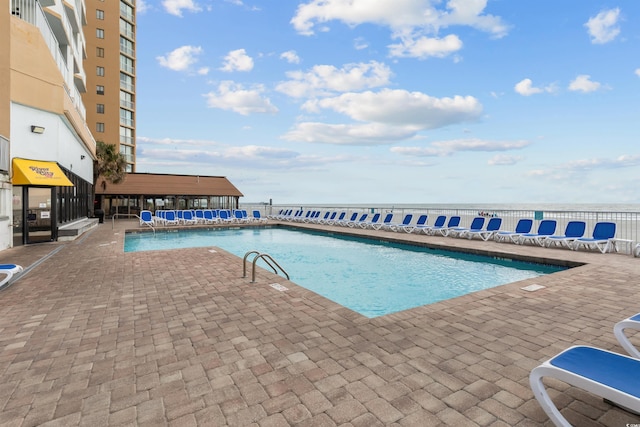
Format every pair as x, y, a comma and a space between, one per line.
36, 172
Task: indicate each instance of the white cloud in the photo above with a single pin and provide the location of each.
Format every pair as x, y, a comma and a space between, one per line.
202, 155
583, 83
398, 14
401, 108
446, 148
175, 7
327, 79
583, 166
637, 72
504, 160
347, 134
525, 88
234, 97
290, 56
142, 6
360, 44
424, 47
237, 60
384, 117
603, 27
180, 59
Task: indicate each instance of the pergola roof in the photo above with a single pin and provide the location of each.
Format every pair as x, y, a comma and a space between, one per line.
150, 184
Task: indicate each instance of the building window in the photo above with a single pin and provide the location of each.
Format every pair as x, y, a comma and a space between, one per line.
126, 28
100, 52
126, 100
100, 90
126, 64
99, 33
126, 135
100, 108
100, 127
126, 82
126, 117
100, 14
100, 71
126, 46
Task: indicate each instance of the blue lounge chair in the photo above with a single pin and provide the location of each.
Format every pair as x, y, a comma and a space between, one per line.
419, 225
374, 220
523, 226
476, 225
329, 220
337, 220
188, 217
386, 221
454, 221
9, 270
171, 218
210, 216
546, 228
344, 222
602, 233
492, 227
257, 217
326, 216
612, 376
405, 223
361, 220
146, 218
439, 222
632, 322
574, 230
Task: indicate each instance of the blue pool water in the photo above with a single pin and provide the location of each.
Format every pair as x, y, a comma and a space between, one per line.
369, 276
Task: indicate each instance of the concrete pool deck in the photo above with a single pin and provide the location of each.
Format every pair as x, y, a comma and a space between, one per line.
93, 336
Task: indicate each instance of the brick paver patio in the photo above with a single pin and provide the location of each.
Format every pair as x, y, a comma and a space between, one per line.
92, 336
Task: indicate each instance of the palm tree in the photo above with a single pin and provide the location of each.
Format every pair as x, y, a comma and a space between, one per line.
109, 164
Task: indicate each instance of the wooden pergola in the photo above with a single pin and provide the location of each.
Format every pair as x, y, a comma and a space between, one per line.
165, 191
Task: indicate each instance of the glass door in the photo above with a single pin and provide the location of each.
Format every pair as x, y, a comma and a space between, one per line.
39, 215
18, 225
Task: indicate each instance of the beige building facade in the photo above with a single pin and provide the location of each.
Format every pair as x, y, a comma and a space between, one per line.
111, 74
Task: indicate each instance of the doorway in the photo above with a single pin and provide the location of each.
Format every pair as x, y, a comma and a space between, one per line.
33, 221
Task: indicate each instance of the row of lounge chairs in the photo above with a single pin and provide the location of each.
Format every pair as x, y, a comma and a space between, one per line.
611, 376
198, 216
545, 235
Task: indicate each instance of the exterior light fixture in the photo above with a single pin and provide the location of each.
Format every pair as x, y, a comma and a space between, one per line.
37, 129
82, 156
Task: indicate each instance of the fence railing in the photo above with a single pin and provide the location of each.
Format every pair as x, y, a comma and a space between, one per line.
627, 223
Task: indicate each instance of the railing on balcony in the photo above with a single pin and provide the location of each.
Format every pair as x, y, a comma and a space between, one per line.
31, 12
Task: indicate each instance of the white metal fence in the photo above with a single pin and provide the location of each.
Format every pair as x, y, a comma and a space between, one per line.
627, 223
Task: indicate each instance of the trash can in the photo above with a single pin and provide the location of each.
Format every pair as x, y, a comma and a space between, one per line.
99, 213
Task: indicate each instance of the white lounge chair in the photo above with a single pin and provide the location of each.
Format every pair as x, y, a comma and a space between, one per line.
419, 225
146, 218
476, 224
485, 234
546, 228
632, 322
9, 270
612, 376
573, 231
397, 227
453, 222
603, 232
523, 226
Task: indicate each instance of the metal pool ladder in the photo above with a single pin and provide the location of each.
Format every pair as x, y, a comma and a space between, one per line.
267, 258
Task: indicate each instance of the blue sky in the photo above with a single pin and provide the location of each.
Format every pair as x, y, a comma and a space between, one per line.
394, 101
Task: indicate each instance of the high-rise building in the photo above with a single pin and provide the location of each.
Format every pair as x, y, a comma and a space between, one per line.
46, 149
111, 74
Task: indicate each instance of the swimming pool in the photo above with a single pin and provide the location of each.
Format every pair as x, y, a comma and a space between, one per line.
371, 277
